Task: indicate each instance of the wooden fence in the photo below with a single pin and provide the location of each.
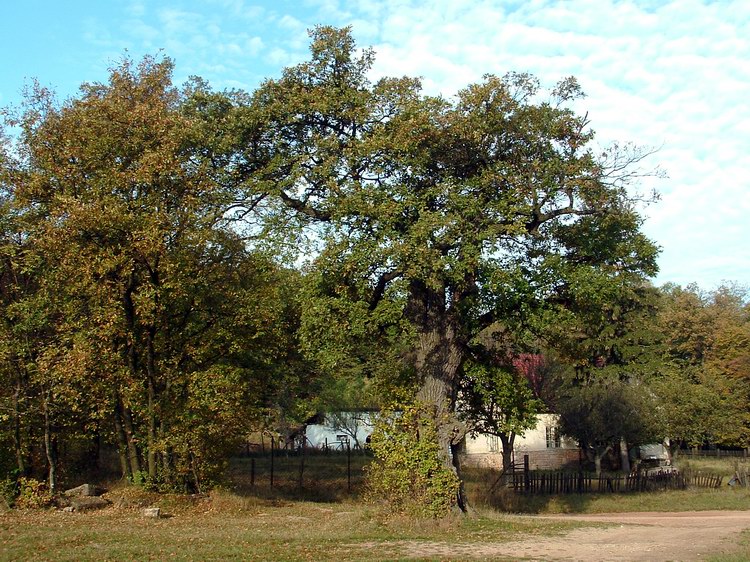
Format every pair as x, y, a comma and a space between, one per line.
736, 454
528, 481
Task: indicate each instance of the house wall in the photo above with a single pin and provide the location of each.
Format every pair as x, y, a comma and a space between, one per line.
544, 454
329, 433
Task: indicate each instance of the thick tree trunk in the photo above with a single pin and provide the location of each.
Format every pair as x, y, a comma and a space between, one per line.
151, 397
17, 441
438, 360
507, 439
624, 458
131, 359
122, 441
598, 456
94, 452
49, 448
133, 457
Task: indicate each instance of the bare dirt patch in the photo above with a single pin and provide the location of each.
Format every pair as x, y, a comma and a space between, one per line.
636, 537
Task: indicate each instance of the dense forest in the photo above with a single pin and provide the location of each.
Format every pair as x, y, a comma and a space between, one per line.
181, 267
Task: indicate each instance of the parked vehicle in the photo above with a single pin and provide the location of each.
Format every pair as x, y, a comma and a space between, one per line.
651, 455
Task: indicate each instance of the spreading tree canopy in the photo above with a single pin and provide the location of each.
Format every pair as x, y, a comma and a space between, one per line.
434, 218
131, 308
432, 223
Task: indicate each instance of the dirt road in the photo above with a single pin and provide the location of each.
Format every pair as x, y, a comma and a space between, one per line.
635, 537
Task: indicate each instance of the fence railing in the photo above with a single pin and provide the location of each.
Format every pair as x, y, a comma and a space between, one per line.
301, 472
741, 454
523, 480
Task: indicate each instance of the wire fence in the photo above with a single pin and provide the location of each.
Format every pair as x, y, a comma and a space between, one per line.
737, 454
327, 474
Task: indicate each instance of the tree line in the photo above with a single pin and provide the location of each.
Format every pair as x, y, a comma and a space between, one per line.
677, 370
181, 266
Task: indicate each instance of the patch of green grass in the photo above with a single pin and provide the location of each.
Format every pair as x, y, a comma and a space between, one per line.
696, 499
258, 523
723, 466
480, 482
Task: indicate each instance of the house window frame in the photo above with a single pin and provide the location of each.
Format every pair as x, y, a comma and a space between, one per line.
552, 437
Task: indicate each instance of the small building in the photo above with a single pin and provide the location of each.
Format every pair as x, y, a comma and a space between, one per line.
339, 430
547, 449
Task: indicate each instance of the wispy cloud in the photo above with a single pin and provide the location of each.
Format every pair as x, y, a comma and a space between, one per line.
672, 74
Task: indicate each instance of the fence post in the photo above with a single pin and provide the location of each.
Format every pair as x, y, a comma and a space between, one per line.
348, 467
252, 471
302, 463
526, 483
272, 454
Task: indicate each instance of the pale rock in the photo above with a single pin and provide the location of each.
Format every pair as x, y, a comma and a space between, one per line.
153, 512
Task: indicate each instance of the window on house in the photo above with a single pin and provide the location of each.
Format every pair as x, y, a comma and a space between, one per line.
493, 443
553, 437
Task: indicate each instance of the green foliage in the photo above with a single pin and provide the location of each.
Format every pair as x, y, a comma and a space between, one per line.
9, 489
32, 494
497, 400
143, 225
704, 385
132, 304
408, 473
435, 218
603, 411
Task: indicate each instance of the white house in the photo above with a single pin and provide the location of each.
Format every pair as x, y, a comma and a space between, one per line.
341, 429
546, 448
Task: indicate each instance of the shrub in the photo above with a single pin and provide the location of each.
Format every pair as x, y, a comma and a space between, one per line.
9, 489
32, 494
408, 473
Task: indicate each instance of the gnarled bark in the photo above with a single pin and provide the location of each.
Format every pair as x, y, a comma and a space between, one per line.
438, 360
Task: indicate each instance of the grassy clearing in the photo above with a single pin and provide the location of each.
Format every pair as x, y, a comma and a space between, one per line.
723, 466
231, 527
682, 500
259, 523
480, 481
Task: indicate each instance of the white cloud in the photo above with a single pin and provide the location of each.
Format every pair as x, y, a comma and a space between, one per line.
670, 74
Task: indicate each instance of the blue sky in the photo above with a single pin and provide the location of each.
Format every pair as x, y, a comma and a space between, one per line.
673, 75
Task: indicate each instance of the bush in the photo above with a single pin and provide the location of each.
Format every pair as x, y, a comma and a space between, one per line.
408, 473
32, 494
9, 489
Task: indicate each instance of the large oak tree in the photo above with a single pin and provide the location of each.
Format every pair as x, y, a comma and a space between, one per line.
434, 218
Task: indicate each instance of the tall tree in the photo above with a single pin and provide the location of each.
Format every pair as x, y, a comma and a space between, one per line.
463, 213
156, 310
704, 383
497, 400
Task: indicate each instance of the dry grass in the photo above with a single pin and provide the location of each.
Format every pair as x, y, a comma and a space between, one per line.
228, 526
238, 524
